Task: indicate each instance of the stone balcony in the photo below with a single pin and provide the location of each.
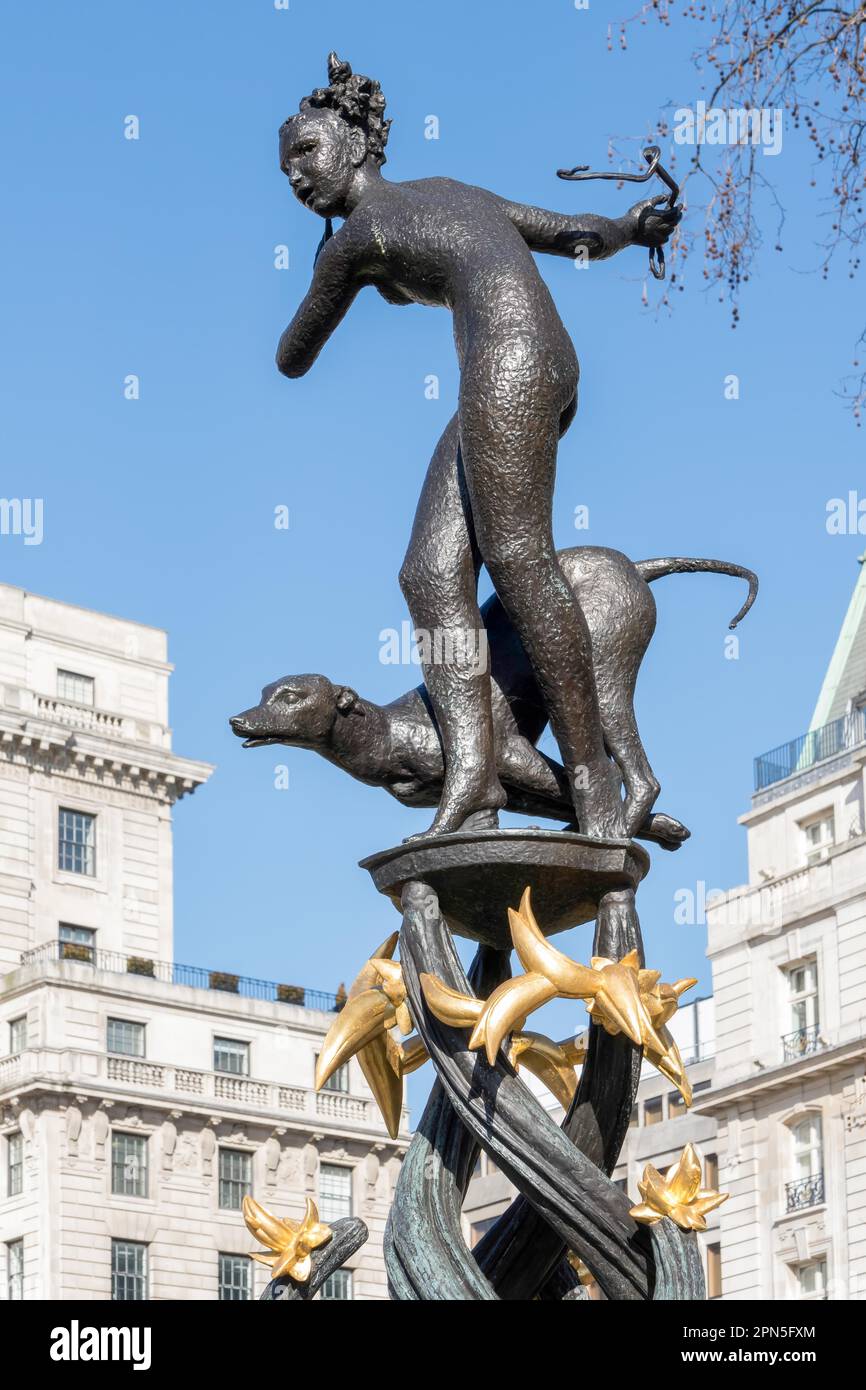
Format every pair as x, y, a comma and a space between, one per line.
178, 1087
765, 909
82, 718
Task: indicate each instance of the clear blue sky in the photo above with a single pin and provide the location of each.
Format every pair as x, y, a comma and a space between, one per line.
155, 257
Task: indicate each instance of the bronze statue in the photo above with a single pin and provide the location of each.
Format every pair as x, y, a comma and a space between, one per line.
488, 494
565, 634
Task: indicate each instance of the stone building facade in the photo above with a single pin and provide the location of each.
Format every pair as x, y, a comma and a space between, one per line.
141, 1099
788, 952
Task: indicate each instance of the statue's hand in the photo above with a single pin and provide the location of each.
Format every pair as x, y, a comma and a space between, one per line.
651, 227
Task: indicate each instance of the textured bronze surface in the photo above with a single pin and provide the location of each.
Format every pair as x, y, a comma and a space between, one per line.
479, 876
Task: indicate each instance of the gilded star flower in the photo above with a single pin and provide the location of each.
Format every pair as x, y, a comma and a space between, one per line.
553, 1063
678, 1194
292, 1242
621, 997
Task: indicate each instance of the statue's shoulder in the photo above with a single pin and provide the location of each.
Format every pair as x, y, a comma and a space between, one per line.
444, 188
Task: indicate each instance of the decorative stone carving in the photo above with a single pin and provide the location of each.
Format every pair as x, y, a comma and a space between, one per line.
370, 1170
208, 1146
99, 1127
272, 1161
311, 1167
169, 1144
72, 1121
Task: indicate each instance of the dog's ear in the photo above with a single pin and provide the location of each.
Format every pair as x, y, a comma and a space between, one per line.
347, 700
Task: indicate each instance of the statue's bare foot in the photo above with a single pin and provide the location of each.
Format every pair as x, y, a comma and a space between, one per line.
455, 814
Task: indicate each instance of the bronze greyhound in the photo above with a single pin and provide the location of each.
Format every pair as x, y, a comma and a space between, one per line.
398, 746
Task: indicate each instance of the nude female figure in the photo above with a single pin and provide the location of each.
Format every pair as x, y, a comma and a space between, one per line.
488, 494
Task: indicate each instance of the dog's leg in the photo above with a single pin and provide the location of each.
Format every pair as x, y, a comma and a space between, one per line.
624, 743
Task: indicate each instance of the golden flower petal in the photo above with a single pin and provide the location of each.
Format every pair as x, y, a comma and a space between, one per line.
384, 1081
506, 1009
449, 1005
537, 956
360, 1020
300, 1269
368, 976
266, 1228
646, 1214
548, 1061
683, 1178
687, 1218
670, 1063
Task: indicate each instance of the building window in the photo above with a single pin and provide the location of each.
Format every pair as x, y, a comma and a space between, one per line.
128, 1271
77, 943
231, 1056
235, 1278
129, 1165
652, 1111
125, 1037
15, 1270
714, 1271
819, 836
478, 1229
15, 1164
338, 1080
72, 686
338, 1286
676, 1105
335, 1191
812, 1279
802, 1035
807, 1186
633, 1119
76, 851
711, 1172
18, 1034
236, 1178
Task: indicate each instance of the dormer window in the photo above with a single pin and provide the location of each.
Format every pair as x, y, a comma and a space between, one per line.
819, 836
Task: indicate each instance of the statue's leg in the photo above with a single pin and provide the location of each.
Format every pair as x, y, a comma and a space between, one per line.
510, 421
439, 580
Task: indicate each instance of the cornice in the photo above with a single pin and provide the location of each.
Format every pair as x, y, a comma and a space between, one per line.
111, 762
779, 1078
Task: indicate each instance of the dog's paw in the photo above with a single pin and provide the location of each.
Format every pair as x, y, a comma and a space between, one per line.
665, 830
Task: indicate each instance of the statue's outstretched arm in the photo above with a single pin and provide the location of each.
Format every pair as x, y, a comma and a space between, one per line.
597, 237
335, 284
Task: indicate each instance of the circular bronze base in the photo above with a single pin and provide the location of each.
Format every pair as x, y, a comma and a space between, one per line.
478, 875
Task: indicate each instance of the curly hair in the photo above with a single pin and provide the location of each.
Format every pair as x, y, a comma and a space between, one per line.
358, 100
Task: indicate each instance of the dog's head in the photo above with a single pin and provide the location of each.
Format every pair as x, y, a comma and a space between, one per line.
296, 710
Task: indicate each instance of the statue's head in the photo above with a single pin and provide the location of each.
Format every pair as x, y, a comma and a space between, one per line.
338, 130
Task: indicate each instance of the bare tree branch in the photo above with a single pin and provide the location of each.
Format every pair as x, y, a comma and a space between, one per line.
808, 59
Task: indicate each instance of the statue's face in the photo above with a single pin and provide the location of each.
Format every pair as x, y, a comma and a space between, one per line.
319, 153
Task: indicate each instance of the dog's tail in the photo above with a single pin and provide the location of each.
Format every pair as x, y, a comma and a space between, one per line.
657, 569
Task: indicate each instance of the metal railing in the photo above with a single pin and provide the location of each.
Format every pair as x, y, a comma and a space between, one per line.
172, 973
806, 1192
810, 748
801, 1043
